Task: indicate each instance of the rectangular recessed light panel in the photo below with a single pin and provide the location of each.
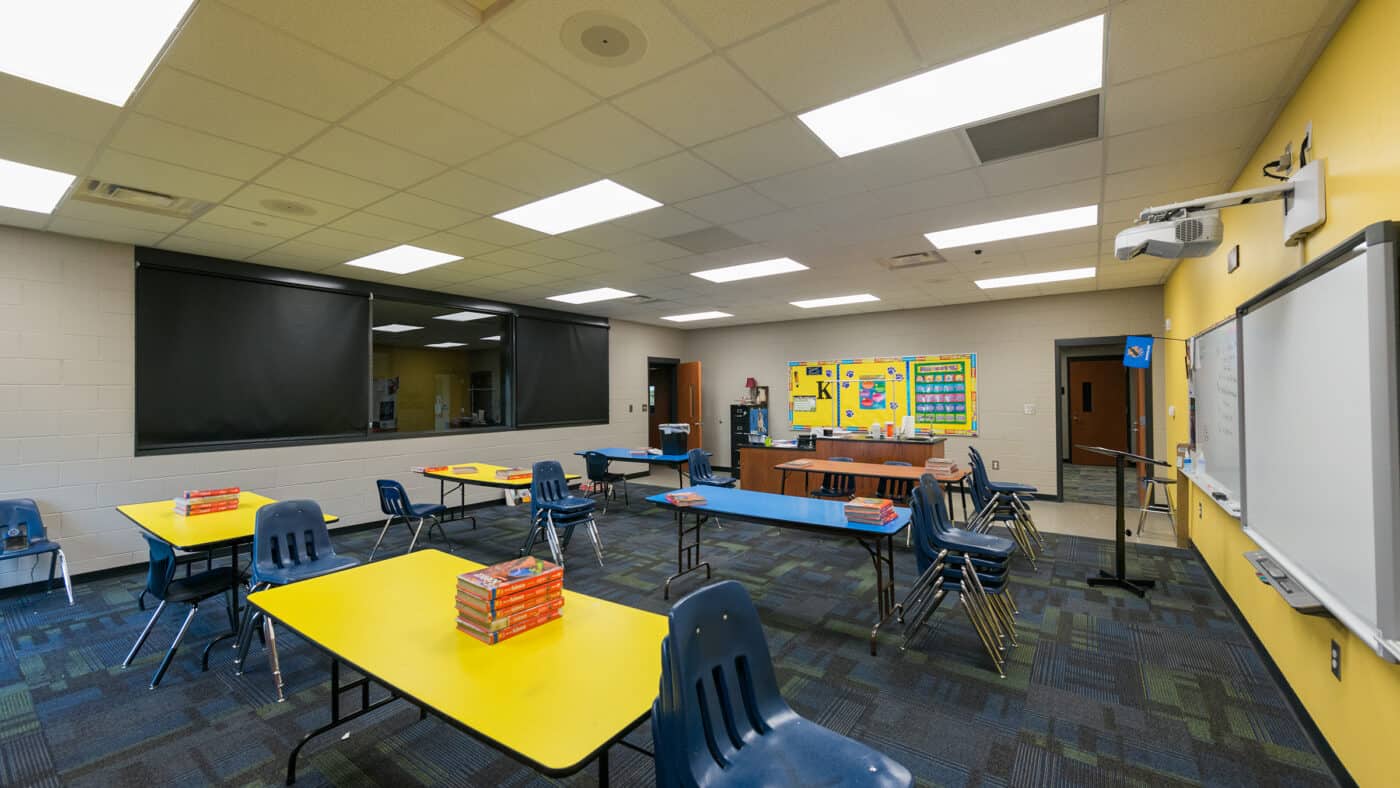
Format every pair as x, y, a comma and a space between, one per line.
696, 316
396, 328
95, 48
589, 296
1066, 275
734, 273
1019, 227
1037, 70
30, 188
597, 202
446, 344
463, 317
496, 338
403, 259
814, 303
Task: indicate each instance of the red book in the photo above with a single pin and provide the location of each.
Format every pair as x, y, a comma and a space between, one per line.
509, 577
510, 631
505, 621
208, 493
486, 608
198, 509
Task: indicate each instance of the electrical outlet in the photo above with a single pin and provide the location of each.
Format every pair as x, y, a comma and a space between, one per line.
629, 407
996, 465
1336, 660
1029, 408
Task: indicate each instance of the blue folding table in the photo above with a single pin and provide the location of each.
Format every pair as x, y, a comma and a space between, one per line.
786, 511
626, 455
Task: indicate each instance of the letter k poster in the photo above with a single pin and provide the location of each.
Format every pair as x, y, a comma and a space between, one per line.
940, 392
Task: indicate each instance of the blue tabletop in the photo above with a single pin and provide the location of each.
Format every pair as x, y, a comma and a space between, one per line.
627, 455
784, 509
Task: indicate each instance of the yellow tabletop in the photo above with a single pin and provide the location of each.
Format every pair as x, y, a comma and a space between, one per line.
203, 530
486, 476
554, 695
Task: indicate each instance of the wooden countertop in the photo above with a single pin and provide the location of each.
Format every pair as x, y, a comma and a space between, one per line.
869, 469
865, 438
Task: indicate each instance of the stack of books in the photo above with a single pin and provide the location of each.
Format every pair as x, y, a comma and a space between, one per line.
941, 466
196, 502
644, 452
874, 511
686, 499
512, 474
501, 601
464, 470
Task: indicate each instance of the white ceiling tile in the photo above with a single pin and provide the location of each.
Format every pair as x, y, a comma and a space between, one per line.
224, 251
215, 233
358, 155
251, 221
514, 258
675, 178
465, 190
1150, 36
840, 50
425, 126
353, 244
605, 236
699, 103
303, 254
497, 232
774, 226
41, 148
557, 248
157, 139
661, 222
539, 28
725, 21
561, 269
468, 77
1198, 88
420, 211
264, 199
119, 217
391, 37
375, 226
1033, 171
40, 107
530, 169
731, 205
651, 251
224, 46
299, 177
455, 244
469, 270
604, 139
1176, 175
929, 193
1190, 137
126, 169
106, 232
955, 29
186, 100
761, 152
815, 184
913, 160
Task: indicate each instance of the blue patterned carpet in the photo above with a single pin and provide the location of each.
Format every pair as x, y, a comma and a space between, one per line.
1105, 689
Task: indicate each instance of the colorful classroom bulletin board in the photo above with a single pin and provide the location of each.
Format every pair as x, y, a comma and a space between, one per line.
872, 390
940, 392
812, 393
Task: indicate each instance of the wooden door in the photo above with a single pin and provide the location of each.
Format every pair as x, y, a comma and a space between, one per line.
1098, 408
688, 401
661, 396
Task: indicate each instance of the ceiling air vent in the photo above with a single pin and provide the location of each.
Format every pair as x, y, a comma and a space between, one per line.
119, 196
901, 262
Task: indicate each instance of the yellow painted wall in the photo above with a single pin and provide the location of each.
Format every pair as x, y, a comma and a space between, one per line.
417, 370
1352, 98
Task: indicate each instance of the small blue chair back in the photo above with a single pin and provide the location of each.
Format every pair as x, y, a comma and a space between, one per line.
393, 498
722, 688
547, 483
597, 466
843, 482
22, 511
896, 490
161, 569
288, 534
700, 469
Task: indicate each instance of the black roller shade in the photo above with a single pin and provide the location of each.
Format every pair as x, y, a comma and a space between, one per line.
561, 373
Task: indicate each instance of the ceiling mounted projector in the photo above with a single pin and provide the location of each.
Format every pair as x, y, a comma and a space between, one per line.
1193, 228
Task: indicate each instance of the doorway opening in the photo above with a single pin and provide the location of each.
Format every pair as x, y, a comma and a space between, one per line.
661, 396
1099, 402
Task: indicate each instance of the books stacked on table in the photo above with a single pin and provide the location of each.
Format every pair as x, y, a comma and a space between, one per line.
644, 452
941, 466
799, 463
465, 470
512, 474
196, 502
873, 511
685, 499
503, 600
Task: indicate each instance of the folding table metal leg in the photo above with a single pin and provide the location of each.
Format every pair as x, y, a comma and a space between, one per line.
337, 719
687, 555
882, 555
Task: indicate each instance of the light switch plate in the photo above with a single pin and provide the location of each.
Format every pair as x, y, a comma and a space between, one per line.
1029, 408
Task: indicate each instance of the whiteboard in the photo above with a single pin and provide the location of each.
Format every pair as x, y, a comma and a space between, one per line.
1215, 383
1320, 435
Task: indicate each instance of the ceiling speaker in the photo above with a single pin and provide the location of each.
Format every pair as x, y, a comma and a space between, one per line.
603, 39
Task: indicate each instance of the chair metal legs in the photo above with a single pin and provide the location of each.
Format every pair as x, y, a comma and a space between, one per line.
544, 522
170, 655
272, 660
56, 558
382, 531
145, 633
1152, 507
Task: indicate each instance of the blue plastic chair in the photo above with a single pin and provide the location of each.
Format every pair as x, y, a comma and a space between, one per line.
836, 485
394, 503
603, 481
719, 719
702, 474
1024, 491
162, 585
20, 517
553, 506
290, 543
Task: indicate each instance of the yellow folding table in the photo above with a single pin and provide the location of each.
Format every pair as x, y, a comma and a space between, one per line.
203, 533
484, 476
554, 698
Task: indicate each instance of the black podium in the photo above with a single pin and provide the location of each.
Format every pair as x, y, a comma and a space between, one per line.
1118, 578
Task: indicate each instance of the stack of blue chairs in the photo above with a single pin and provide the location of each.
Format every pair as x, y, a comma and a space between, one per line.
702, 474
1006, 507
719, 719
554, 506
975, 566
